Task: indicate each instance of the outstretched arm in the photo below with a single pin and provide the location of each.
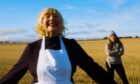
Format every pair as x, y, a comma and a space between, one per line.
95, 71
18, 70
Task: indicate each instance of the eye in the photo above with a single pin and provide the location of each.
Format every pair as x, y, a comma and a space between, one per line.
55, 16
48, 16
111, 36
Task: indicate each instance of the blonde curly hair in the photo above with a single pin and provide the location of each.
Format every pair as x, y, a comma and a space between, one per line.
39, 27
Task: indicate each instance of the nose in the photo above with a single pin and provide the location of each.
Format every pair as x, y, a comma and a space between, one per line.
51, 17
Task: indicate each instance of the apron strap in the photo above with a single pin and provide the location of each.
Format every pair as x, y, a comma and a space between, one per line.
43, 43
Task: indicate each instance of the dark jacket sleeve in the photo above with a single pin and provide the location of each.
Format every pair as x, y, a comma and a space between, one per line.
96, 72
18, 70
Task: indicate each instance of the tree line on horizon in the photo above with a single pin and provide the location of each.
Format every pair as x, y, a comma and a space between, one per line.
84, 39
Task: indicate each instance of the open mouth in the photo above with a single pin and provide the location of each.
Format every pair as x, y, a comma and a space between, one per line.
53, 24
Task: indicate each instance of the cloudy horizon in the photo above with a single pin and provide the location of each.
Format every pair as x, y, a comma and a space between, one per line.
87, 19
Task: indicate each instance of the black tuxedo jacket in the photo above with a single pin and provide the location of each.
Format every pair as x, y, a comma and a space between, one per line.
77, 56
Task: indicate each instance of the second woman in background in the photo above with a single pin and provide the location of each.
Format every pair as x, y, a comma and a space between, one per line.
114, 50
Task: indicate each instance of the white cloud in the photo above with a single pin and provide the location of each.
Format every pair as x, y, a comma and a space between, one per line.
4, 38
22, 38
68, 6
83, 30
91, 22
15, 34
125, 22
8, 31
102, 31
116, 3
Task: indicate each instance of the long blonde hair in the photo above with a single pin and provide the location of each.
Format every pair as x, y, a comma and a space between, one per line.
39, 27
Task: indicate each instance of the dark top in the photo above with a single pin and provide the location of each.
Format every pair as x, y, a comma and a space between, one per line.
77, 56
52, 43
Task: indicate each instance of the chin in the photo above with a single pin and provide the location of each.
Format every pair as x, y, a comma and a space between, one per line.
51, 29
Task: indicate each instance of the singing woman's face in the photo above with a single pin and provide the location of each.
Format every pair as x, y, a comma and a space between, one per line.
50, 21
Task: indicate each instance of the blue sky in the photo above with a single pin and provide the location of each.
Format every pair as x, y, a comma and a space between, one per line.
84, 19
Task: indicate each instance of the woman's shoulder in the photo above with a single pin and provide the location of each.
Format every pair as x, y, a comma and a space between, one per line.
70, 42
35, 43
107, 43
68, 39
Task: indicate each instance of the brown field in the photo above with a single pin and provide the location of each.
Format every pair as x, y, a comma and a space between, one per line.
10, 53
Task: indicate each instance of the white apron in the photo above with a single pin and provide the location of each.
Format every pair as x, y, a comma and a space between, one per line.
53, 65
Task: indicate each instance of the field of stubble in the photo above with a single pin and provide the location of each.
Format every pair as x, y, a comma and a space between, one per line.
10, 53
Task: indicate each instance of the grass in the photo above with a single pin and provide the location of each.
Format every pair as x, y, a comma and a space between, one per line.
10, 53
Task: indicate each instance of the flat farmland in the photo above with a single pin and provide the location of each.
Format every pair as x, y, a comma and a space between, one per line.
10, 53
